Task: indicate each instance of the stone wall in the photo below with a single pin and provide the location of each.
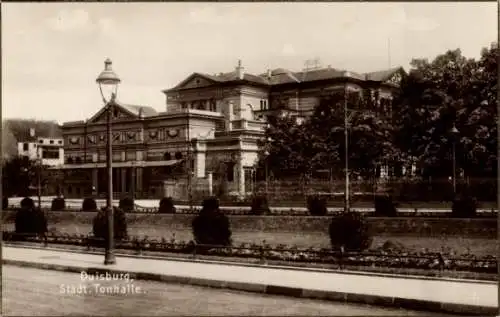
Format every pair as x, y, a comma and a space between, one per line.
81, 222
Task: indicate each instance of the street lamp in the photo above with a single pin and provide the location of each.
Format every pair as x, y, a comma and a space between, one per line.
454, 134
108, 85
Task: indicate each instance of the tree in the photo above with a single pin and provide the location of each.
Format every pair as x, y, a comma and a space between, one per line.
18, 175
450, 91
288, 148
370, 135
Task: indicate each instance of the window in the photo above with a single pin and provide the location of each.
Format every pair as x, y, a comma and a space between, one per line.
51, 141
70, 160
183, 105
25, 147
230, 171
78, 160
70, 189
59, 142
167, 156
178, 155
40, 141
50, 153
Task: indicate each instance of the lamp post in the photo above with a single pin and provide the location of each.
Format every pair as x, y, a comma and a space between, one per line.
108, 85
39, 176
266, 171
454, 134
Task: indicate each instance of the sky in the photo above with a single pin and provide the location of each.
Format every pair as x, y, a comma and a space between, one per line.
53, 52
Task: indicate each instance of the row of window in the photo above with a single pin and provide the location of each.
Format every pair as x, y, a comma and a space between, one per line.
26, 145
207, 105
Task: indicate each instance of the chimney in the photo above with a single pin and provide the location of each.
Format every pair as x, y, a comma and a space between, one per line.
32, 132
239, 70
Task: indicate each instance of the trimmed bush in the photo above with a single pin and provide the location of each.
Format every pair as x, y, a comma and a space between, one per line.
30, 221
167, 206
100, 225
316, 205
350, 231
384, 206
89, 204
259, 206
127, 204
211, 226
5, 203
58, 204
464, 206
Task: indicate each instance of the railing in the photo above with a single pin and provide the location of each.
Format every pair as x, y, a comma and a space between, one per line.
246, 211
281, 253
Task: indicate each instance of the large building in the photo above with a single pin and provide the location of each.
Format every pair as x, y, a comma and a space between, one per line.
212, 122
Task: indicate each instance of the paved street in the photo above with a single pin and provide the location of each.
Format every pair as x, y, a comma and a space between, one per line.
443, 291
30, 292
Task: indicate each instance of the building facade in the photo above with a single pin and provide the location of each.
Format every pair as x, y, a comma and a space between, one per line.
49, 151
208, 136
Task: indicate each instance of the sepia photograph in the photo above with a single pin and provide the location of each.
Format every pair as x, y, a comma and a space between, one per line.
250, 159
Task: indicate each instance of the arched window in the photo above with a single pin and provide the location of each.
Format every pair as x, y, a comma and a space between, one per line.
167, 156
178, 155
78, 160
70, 160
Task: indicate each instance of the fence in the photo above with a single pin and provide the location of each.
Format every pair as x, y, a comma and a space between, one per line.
484, 189
291, 255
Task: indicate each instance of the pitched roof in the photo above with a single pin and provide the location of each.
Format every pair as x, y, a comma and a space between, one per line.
20, 129
382, 75
280, 76
136, 110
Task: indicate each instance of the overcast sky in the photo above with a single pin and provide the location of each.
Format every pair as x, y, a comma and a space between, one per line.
52, 53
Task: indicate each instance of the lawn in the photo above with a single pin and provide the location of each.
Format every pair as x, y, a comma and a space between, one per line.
458, 245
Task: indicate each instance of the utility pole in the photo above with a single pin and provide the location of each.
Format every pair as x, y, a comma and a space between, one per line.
346, 140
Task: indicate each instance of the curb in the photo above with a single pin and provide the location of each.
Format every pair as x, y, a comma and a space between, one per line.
271, 266
411, 304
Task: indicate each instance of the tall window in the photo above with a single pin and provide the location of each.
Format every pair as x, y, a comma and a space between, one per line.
230, 171
25, 147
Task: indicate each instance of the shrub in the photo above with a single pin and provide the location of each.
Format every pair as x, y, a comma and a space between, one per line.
211, 226
5, 203
30, 221
384, 206
58, 204
167, 206
89, 204
316, 205
349, 230
464, 206
259, 206
126, 204
100, 224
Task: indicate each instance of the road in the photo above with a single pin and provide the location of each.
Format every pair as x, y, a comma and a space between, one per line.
33, 292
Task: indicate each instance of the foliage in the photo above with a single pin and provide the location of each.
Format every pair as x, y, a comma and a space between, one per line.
259, 206
167, 206
127, 204
100, 224
384, 206
370, 134
30, 220
58, 204
350, 231
89, 204
450, 91
316, 205
465, 206
18, 174
211, 226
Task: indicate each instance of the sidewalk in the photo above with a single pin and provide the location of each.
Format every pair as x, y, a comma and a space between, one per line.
455, 296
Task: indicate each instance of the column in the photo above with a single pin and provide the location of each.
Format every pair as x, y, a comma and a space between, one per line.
241, 176
123, 180
133, 181
138, 184
95, 183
